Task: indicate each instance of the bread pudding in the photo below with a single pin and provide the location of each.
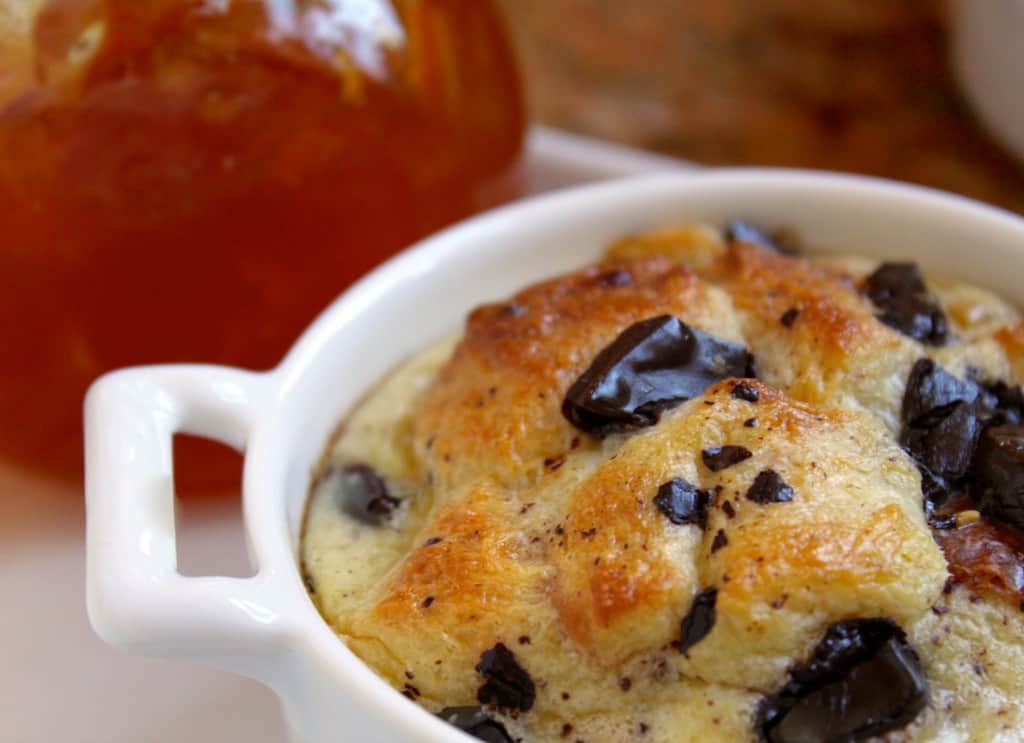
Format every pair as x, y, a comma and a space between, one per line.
706, 489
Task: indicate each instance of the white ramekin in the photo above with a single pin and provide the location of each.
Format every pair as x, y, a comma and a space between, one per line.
266, 627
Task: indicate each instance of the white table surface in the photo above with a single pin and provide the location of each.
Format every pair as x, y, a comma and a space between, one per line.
60, 683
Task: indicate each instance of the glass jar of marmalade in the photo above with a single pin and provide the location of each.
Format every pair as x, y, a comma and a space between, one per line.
192, 180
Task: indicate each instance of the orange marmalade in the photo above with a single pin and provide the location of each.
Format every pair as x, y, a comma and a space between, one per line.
192, 180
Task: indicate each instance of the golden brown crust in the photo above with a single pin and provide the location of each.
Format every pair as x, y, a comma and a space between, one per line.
495, 410
467, 583
829, 349
786, 570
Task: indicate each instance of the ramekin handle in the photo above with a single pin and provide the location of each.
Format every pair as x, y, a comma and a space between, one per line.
137, 599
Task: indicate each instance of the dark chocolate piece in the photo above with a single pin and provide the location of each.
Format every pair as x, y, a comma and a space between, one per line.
998, 475
614, 278
652, 366
506, 683
682, 503
744, 391
699, 620
1006, 402
718, 458
738, 231
899, 292
719, 541
789, 317
514, 310
943, 418
362, 493
769, 487
947, 447
476, 722
930, 391
863, 680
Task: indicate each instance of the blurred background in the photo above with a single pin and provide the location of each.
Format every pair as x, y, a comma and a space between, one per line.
867, 86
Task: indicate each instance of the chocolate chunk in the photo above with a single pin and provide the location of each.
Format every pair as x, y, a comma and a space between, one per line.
718, 458
943, 418
947, 447
863, 680
729, 509
362, 493
653, 366
699, 620
618, 277
476, 722
719, 541
789, 317
998, 475
738, 231
899, 292
931, 391
683, 503
769, 487
514, 310
1006, 402
506, 683
744, 391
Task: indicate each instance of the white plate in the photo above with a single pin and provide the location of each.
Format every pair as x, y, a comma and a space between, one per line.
60, 683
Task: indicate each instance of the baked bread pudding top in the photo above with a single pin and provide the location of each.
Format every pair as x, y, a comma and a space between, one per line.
703, 490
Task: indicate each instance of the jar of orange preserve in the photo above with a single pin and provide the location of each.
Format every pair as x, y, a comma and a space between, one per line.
192, 180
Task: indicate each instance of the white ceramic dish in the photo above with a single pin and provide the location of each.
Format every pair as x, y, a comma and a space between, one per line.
266, 627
